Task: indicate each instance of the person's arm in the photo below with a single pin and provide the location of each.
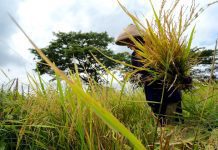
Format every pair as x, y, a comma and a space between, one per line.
140, 76
137, 63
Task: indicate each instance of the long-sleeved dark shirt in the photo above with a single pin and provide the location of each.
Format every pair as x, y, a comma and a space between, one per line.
154, 90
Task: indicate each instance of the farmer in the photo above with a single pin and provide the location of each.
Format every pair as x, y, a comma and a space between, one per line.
171, 101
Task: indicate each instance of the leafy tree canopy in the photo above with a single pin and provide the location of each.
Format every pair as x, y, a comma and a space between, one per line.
76, 47
206, 56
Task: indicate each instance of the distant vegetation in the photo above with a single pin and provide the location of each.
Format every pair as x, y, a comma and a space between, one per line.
68, 49
206, 58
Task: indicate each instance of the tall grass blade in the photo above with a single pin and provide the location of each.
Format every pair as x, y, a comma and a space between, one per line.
5, 74
41, 82
188, 49
108, 71
101, 112
213, 62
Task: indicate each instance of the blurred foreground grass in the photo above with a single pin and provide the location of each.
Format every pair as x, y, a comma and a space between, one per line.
67, 116
54, 117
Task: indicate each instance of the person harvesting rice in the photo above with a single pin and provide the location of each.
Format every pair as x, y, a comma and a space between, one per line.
162, 53
163, 100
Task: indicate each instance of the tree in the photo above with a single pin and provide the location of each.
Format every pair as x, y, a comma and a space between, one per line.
205, 58
76, 47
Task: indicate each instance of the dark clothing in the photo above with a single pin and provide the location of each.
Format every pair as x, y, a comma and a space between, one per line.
153, 92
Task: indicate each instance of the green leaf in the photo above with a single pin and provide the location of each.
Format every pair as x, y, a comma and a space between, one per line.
188, 49
87, 99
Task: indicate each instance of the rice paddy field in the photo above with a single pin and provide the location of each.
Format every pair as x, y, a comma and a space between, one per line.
67, 115
56, 117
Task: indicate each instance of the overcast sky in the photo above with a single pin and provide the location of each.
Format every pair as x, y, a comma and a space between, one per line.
39, 18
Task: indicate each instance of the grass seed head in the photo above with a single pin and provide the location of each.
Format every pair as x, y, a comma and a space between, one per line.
167, 47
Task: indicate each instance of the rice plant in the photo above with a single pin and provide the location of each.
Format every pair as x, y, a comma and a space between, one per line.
58, 119
165, 48
87, 99
67, 116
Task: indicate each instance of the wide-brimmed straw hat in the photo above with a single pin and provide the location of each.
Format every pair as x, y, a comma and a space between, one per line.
123, 39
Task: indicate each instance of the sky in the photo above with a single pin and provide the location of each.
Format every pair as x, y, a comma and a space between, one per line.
40, 18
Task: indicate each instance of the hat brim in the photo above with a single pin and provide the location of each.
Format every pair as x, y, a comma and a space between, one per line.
124, 41
125, 37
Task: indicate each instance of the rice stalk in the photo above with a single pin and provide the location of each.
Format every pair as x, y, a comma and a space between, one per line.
101, 112
166, 47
